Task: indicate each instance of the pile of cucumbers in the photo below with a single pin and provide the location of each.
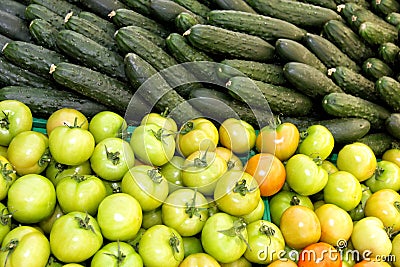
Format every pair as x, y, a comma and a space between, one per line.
332, 62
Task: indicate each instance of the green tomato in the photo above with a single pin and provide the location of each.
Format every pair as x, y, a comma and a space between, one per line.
316, 141
237, 135
386, 176
112, 158
55, 171
7, 176
191, 245
46, 224
5, 221
161, 120
116, 254
172, 171
119, 217
15, 117
358, 213
151, 218
107, 124
31, 198
256, 214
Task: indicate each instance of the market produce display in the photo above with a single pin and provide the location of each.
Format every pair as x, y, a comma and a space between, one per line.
199, 133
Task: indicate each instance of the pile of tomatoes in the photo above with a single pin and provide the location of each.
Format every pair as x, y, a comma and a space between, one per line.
89, 192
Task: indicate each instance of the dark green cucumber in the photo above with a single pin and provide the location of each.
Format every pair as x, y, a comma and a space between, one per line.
374, 68
299, 13
389, 91
374, 34
60, 7
91, 54
268, 28
393, 125
354, 83
393, 18
230, 44
347, 40
184, 21
102, 23
309, 80
44, 101
328, 52
13, 7
363, 3
389, 52
265, 72
195, 7
94, 85
346, 105
156, 90
141, 6
290, 50
14, 27
44, 34
102, 7
155, 38
239, 5
167, 10
385, 7
127, 17
331, 4
11, 74
379, 142
281, 100
3, 41
35, 11
32, 57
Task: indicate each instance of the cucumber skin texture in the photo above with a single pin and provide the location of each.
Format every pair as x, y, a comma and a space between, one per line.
354, 83
44, 34
331, 4
392, 125
324, 49
194, 6
375, 34
167, 10
3, 41
290, 50
93, 84
301, 14
35, 11
91, 54
13, 7
393, 18
14, 27
347, 40
385, 7
156, 39
346, 105
184, 21
280, 99
32, 57
389, 91
309, 80
379, 142
389, 52
141, 6
265, 72
376, 68
44, 101
223, 42
104, 24
239, 5
102, 7
60, 7
268, 28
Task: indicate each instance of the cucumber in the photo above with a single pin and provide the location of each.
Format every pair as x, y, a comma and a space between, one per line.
93, 84
385, 7
347, 40
346, 105
155, 38
167, 10
155, 89
91, 54
392, 125
265, 72
35, 11
239, 5
379, 142
141, 6
363, 3
60, 7
127, 17
90, 30
195, 7
11, 74
309, 80
268, 28
14, 27
230, 44
389, 91
102, 7
331, 4
393, 18
184, 21
290, 50
32, 57
301, 14
389, 52
102, 23
44, 101
281, 100
3, 41
375, 35
44, 34
374, 68
328, 52
354, 83
13, 7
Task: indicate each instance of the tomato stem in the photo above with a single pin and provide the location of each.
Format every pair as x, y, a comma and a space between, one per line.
6, 172
5, 217
113, 156
155, 175
241, 187
85, 223
5, 122
120, 257
236, 230
10, 247
294, 201
174, 243
187, 127
379, 172
191, 208
45, 158
267, 230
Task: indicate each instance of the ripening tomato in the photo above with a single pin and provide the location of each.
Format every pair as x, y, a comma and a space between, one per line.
15, 117
66, 117
269, 172
386, 176
233, 161
319, 254
392, 155
237, 135
7, 176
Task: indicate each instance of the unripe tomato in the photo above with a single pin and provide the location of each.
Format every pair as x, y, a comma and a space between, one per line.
237, 135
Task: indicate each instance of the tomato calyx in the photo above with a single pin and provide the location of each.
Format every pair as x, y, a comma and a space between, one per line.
75, 125
85, 223
45, 158
6, 172
160, 134
267, 230
10, 247
191, 208
241, 188
236, 230
318, 160
187, 127
294, 201
155, 175
174, 243
120, 257
114, 157
5, 122
5, 217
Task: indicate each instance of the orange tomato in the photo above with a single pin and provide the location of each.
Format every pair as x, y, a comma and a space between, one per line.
319, 254
283, 263
269, 172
